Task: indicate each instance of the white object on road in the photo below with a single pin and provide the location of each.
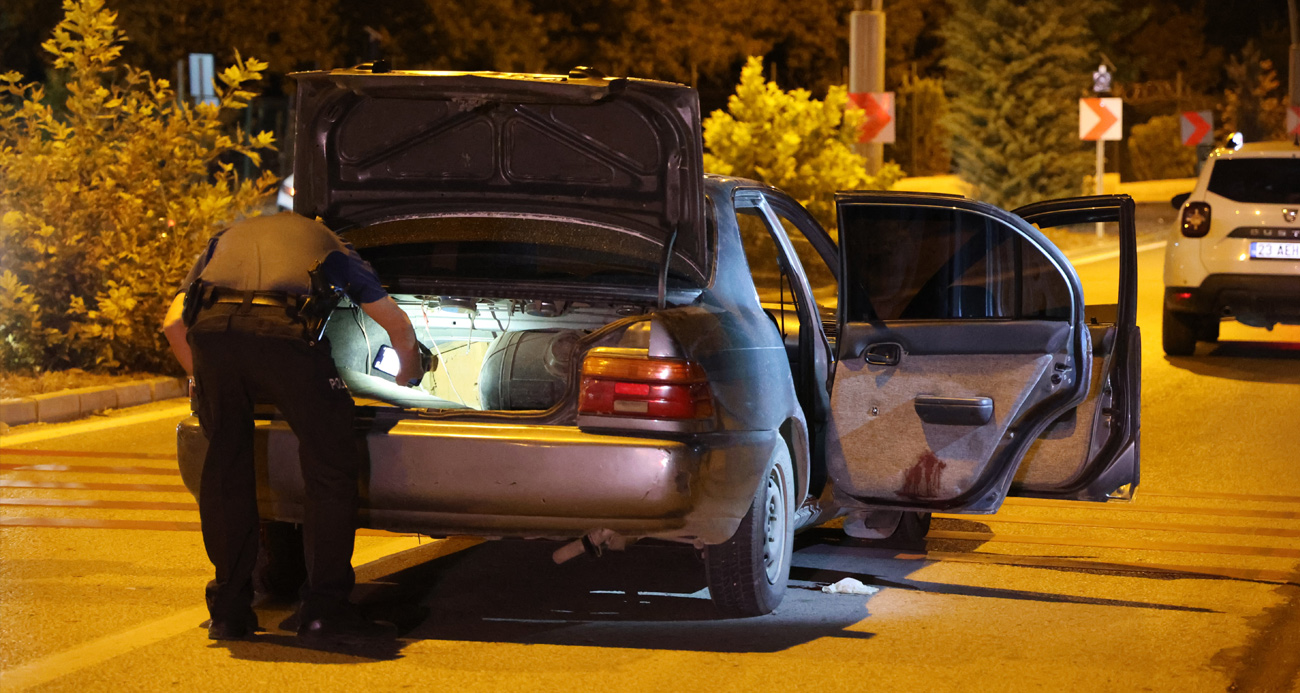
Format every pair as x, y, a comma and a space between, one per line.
850, 586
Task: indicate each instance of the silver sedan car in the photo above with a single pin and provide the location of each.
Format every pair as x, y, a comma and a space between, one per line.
627, 348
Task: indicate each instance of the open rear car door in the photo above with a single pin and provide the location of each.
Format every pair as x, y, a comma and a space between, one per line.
963, 340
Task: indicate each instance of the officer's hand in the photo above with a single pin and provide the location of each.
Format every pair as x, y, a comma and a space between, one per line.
410, 373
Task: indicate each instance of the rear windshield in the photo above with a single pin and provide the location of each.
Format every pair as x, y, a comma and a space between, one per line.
1262, 181
511, 249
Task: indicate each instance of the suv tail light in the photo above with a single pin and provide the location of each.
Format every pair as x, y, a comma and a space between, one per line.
1196, 219
631, 383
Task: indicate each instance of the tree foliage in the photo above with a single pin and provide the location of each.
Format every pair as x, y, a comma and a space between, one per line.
921, 144
1016, 71
1253, 102
792, 141
108, 200
1157, 150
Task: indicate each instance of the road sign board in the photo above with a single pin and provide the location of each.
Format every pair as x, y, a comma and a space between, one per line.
202, 71
879, 108
1293, 119
1101, 119
1196, 127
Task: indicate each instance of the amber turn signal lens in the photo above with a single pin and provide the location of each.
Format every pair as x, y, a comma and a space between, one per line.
628, 382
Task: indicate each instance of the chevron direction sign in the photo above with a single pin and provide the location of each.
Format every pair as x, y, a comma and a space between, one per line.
879, 108
1196, 127
1101, 119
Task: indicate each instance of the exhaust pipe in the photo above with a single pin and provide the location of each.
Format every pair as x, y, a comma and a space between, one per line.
592, 543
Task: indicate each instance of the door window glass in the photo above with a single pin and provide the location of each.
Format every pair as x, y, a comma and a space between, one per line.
926, 263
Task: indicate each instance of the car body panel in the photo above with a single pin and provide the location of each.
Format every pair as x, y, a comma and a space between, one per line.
616, 153
1092, 454
446, 477
884, 449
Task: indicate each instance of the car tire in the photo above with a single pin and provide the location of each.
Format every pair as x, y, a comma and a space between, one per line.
1178, 332
281, 567
747, 574
1209, 329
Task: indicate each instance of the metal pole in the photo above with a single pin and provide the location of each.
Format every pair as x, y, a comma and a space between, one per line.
867, 65
1099, 180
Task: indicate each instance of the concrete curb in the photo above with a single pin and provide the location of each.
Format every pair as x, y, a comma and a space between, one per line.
68, 405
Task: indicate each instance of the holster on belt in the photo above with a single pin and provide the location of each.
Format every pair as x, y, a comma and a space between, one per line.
193, 302
319, 304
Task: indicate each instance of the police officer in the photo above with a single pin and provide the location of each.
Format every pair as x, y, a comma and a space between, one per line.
243, 340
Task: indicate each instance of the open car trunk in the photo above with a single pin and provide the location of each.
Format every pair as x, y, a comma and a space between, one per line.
489, 354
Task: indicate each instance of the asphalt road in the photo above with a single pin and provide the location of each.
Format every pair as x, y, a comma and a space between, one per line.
1194, 586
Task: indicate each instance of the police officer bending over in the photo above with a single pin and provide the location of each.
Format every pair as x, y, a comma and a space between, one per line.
244, 338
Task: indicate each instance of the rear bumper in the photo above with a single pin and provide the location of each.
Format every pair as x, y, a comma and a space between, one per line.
1253, 299
441, 478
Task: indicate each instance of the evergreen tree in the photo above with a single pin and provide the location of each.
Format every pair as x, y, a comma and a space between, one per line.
1016, 71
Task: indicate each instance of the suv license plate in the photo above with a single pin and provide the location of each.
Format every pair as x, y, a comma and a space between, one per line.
1261, 250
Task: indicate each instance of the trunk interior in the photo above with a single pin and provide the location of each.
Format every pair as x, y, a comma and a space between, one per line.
488, 354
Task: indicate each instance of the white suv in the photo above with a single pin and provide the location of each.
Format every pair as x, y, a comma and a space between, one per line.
1236, 250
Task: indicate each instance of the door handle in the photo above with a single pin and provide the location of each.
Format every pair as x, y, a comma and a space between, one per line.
954, 411
883, 354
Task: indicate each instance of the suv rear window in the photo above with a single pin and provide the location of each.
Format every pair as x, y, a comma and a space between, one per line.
1261, 181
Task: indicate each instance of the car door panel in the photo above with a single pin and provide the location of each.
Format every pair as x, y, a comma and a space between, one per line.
1092, 454
911, 460
987, 320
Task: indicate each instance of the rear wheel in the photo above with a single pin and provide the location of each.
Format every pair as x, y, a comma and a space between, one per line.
1209, 329
1178, 332
747, 574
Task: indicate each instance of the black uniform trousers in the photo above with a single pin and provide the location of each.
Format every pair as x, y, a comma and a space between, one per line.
247, 353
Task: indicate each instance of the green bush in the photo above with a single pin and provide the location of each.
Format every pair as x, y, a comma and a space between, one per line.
109, 198
792, 141
1157, 151
922, 143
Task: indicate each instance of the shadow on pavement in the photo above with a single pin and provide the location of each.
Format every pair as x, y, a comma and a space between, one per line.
652, 596
1249, 361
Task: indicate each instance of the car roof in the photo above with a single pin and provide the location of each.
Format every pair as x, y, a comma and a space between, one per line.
1258, 150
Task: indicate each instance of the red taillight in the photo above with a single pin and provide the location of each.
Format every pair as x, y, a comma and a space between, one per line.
1196, 219
627, 382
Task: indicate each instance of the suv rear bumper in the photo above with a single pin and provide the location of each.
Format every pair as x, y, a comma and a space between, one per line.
1253, 299
445, 478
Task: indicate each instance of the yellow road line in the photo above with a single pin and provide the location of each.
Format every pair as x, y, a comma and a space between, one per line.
98, 651
1093, 543
177, 412
1111, 524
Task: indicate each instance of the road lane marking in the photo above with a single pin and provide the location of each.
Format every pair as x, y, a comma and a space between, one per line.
23, 452
76, 486
101, 504
1213, 495
88, 469
177, 412
144, 525
1093, 543
95, 652
1152, 526
1194, 571
1125, 508
1111, 254
92, 523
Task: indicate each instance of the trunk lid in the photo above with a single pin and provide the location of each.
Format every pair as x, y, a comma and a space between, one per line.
620, 154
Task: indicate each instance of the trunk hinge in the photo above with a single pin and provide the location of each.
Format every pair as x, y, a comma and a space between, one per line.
663, 271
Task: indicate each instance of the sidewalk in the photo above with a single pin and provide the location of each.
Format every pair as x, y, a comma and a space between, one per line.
69, 405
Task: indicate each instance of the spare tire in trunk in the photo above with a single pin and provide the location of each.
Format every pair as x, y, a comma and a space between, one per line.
527, 369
